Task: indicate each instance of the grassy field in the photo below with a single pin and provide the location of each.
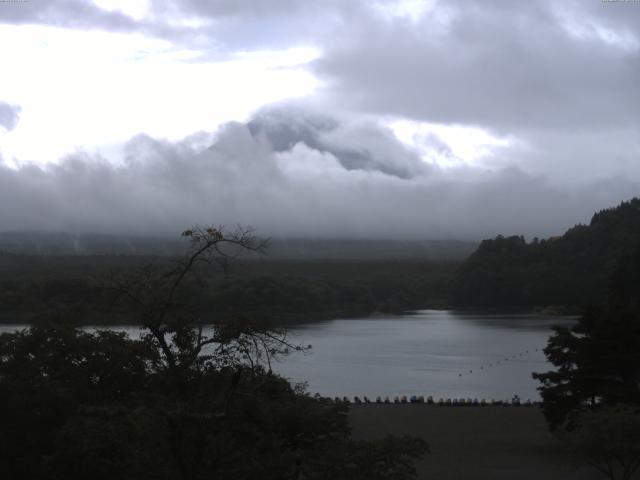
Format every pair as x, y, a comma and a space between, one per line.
474, 443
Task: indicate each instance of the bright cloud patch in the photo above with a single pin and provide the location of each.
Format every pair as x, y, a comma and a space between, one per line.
101, 88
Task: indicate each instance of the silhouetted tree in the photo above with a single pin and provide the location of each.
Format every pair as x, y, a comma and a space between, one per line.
161, 298
598, 359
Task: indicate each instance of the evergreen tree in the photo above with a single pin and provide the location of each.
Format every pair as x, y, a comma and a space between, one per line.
597, 359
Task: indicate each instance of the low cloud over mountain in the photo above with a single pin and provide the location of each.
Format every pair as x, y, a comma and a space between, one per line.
292, 171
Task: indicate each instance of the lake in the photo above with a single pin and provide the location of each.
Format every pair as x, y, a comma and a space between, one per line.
442, 353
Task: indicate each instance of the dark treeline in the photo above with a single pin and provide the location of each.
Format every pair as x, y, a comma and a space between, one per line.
570, 271
283, 291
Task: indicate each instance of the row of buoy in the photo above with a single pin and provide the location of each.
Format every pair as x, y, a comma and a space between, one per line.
415, 399
505, 359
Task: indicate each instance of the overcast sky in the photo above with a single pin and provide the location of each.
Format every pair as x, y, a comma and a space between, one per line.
351, 118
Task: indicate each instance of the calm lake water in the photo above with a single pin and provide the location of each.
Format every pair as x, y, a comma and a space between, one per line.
428, 352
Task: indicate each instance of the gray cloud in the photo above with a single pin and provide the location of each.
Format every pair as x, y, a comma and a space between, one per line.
512, 66
215, 28
579, 156
79, 14
295, 189
9, 115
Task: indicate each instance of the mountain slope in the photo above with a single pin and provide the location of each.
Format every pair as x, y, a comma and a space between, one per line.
570, 270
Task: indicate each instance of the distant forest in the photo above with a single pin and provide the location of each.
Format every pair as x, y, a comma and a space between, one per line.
282, 291
297, 280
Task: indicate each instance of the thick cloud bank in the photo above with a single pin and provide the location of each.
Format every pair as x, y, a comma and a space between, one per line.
291, 173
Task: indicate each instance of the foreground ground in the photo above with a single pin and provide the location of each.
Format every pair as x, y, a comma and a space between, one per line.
473, 442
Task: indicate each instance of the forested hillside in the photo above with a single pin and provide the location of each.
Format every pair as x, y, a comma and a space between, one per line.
571, 270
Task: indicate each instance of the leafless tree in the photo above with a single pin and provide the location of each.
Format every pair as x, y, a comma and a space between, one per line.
161, 299
158, 296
